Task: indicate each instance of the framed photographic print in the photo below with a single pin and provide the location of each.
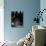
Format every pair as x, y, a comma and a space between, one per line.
16, 18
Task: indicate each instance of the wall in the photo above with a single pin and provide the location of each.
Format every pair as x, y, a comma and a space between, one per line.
43, 6
29, 7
